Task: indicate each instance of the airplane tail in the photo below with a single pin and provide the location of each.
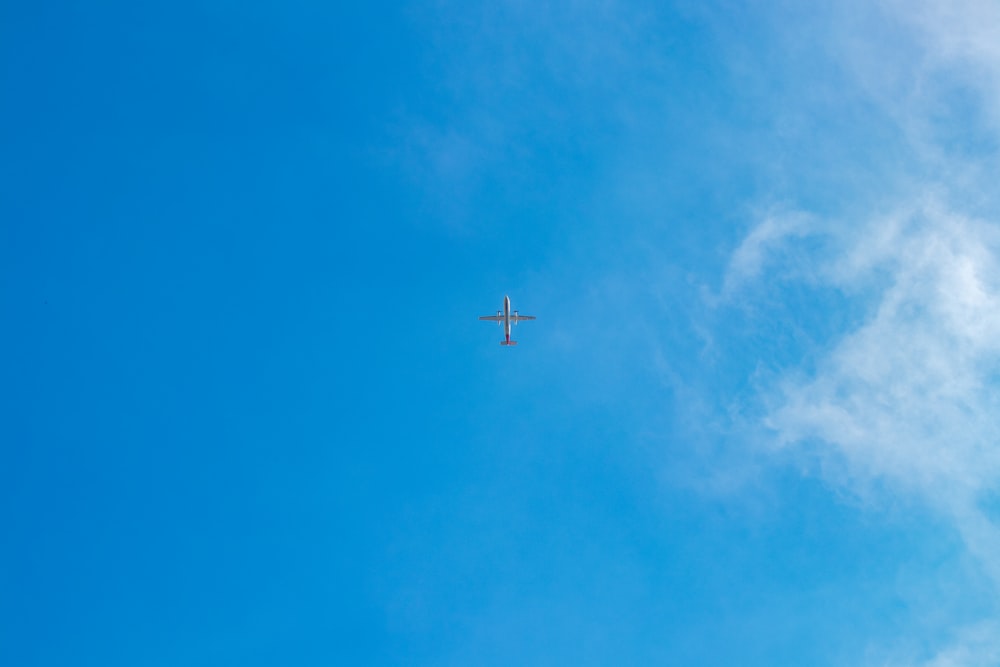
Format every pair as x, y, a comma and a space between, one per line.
508, 342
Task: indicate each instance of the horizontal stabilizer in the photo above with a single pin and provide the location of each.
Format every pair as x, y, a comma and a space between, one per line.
508, 342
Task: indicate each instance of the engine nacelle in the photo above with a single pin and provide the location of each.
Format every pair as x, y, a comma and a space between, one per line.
515, 318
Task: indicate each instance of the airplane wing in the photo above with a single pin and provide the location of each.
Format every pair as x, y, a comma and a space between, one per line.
520, 318
492, 318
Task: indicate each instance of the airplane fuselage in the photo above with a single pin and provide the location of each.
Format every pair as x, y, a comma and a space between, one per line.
506, 318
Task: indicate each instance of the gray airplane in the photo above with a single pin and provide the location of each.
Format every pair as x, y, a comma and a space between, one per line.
504, 318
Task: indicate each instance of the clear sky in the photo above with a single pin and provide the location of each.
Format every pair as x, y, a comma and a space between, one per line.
248, 415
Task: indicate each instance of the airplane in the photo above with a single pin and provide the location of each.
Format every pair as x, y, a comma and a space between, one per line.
504, 318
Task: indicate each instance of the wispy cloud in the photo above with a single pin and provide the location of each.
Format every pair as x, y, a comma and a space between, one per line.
910, 395
975, 646
959, 39
756, 253
908, 400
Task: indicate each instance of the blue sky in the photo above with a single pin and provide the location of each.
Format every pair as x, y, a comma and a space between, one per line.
249, 415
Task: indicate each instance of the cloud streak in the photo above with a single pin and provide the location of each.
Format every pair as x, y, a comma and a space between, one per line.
908, 401
910, 396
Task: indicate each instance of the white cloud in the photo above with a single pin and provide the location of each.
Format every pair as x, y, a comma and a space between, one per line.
769, 237
908, 401
960, 36
976, 646
909, 396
